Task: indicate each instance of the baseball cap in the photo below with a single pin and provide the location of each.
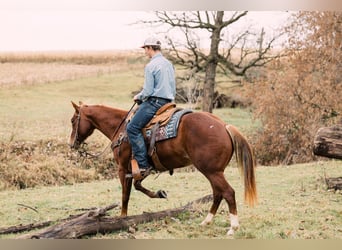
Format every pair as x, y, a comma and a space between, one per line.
151, 41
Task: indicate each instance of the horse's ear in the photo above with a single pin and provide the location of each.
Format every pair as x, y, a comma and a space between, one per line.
81, 103
76, 107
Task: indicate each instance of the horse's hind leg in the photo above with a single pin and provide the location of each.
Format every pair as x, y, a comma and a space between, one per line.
217, 198
221, 189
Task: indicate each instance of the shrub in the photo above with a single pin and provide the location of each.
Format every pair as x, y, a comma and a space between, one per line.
291, 112
30, 164
300, 93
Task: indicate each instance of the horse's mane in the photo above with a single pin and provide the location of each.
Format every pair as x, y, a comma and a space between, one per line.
105, 107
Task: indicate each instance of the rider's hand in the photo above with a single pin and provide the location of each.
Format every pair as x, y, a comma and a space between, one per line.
137, 100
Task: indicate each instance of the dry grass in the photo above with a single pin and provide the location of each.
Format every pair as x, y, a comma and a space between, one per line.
75, 57
41, 163
14, 74
36, 68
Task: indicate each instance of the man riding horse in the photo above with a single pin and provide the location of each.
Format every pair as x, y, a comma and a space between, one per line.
203, 140
159, 89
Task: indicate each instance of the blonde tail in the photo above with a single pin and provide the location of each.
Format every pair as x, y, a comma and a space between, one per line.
246, 163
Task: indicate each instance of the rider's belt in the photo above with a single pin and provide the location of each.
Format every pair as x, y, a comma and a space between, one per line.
159, 98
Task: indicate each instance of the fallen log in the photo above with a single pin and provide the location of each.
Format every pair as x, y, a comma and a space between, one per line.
22, 228
328, 142
95, 221
33, 226
334, 183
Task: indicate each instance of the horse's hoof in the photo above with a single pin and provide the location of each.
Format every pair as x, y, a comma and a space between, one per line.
162, 194
207, 219
204, 223
230, 232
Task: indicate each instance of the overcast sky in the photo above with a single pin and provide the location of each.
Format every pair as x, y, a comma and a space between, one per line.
40, 25
23, 30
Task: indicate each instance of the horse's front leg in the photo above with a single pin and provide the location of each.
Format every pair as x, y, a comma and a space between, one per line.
126, 184
158, 194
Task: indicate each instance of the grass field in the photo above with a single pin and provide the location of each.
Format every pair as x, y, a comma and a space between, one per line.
293, 204
35, 128
43, 110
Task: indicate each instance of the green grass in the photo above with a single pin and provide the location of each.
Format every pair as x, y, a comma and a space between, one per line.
241, 118
44, 111
293, 204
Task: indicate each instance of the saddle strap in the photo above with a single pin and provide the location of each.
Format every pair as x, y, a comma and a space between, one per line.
157, 164
153, 138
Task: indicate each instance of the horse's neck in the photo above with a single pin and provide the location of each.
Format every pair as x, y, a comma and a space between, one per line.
107, 120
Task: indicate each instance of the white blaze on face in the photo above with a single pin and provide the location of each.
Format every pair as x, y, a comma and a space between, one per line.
208, 219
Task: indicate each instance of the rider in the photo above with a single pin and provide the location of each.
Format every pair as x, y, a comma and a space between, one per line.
159, 88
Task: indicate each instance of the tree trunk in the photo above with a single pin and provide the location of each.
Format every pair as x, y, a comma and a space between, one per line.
210, 72
209, 87
328, 142
95, 221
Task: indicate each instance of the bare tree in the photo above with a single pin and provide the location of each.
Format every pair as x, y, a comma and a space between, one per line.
238, 54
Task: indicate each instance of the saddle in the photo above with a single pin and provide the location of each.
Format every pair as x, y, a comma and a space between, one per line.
163, 115
160, 120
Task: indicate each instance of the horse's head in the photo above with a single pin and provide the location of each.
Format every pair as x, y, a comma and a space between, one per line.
82, 127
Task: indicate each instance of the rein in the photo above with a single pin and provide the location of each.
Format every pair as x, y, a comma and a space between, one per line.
90, 155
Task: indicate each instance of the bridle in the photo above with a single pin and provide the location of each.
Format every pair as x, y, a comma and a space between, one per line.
82, 151
76, 132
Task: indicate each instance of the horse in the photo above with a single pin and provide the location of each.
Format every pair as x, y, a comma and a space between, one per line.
203, 140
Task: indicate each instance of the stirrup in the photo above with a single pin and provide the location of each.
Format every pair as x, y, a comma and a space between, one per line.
143, 174
139, 174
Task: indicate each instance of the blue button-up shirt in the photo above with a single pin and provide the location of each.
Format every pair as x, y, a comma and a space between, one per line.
159, 79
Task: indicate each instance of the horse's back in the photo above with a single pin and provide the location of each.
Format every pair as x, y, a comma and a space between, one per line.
206, 139
205, 127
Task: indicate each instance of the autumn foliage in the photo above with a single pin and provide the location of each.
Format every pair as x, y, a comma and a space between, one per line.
299, 93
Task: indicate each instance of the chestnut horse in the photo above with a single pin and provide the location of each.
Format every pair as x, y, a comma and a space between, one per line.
203, 140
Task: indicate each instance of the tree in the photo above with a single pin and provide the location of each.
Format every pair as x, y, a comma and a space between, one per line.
301, 93
240, 53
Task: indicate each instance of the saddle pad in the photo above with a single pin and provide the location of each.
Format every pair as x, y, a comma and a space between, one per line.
170, 129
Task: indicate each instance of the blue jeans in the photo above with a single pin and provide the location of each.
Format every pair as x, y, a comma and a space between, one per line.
143, 115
